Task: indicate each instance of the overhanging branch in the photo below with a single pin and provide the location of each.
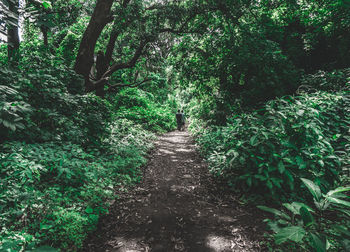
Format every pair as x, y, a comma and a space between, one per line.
130, 63
132, 85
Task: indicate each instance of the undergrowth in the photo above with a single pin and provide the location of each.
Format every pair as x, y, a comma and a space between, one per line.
65, 154
54, 193
267, 150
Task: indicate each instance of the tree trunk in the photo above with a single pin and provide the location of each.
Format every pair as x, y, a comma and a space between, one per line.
101, 68
85, 58
45, 31
13, 36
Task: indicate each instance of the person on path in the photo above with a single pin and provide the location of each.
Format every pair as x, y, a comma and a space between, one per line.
183, 120
179, 119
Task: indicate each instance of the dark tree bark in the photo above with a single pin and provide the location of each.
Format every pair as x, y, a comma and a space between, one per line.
85, 58
44, 11
13, 36
131, 63
101, 68
110, 49
102, 76
45, 31
96, 81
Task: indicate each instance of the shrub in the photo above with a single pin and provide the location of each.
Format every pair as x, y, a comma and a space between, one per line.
266, 150
54, 192
336, 80
319, 227
140, 107
66, 229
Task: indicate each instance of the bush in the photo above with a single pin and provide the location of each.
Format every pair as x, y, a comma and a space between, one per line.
266, 150
66, 229
336, 80
140, 107
55, 192
13, 108
64, 154
320, 227
61, 113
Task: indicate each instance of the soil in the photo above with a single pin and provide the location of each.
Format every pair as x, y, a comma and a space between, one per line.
178, 207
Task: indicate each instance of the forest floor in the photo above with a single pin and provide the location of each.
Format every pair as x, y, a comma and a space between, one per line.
177, 207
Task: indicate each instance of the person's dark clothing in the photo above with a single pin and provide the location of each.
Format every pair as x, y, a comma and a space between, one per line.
183, 120
179, 120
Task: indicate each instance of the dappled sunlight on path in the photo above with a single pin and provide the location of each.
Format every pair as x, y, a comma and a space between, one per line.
176, 208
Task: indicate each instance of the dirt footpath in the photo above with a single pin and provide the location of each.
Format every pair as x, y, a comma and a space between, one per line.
178, 207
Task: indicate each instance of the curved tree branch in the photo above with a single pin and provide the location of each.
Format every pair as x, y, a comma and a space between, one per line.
132, 85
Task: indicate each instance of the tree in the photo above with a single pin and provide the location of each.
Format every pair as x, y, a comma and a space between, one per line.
139, 23
9, 15
41, 13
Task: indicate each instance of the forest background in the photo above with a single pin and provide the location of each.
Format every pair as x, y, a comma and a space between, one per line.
90, 84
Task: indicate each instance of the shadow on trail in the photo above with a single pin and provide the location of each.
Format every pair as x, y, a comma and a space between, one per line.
176, 208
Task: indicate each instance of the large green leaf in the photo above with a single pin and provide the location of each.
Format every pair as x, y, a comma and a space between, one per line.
294, 233
298, 205
313, 188
254, 140
274, 211
342, 229
291, 208
47, 5
338, 190
318, 243
89, 210
339, 201
344, 211
306, 216
281, 167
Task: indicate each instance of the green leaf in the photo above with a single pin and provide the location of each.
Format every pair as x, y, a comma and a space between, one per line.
89, 210
294, 207
281, 167
344, 211
339, 201
342, 229
308, 220
322, 204
290, 179
253, 140
47, 5
298, 205
274, 211
321, 163
45, 226
290, 208
294, 233
269, 184
300, 112
249, 181
300, 162
313, 188
338, 190
12, 127
318, 243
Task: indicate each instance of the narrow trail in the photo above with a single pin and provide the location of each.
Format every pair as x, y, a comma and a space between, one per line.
177, 208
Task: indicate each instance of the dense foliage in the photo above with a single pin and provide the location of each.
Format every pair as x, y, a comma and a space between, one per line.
266, 152
85, 85
64, 153
55, 192
271, 147
267, 89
